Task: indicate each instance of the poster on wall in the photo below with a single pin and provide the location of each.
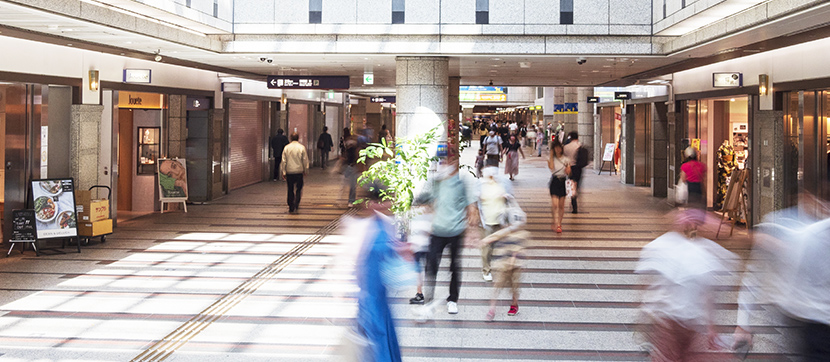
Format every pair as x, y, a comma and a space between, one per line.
54, 205
172, 178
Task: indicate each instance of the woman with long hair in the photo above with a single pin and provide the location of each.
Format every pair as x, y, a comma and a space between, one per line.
512, 150
560, 168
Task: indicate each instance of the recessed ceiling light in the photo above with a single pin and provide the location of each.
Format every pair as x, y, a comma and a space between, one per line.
128, 42
122, 53
496, 59
52, 27
607, 66
732, 100
69, 45
67, 29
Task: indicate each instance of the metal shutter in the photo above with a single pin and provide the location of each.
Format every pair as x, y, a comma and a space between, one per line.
246, 149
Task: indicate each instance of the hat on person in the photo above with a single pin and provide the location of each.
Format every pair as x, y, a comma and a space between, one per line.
690, 151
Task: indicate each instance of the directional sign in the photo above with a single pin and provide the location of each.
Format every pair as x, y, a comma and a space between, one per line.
368, 78
593, 99
388, 99
308, 82
622, 95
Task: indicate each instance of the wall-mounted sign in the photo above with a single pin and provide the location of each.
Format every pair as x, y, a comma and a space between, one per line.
571, 108
368, 78
232, 86
593, 99
137, 75
558, 109
198, 103
140, 100
308, 82
622, 95
727, 80
387, 99
538, 108
482, 94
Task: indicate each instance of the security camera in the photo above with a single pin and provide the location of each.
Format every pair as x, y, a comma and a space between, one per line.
581, 60
269, 60
262, 59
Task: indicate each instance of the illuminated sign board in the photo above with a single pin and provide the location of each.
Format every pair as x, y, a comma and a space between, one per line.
473, 93
137, 75
308, 82
622, 95
593, 99
727, 80
390, 99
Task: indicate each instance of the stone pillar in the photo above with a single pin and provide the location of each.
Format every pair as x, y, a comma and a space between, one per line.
674, 157
176, 126
85, 144
422, 91
585, 119
216, 117
627, 146
454, 123
767, 154
659, 149
571, 119
558, 100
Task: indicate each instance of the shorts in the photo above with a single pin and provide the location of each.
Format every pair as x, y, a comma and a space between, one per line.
557, 186
507, 276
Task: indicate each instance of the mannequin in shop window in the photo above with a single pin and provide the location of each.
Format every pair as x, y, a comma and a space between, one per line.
726, 163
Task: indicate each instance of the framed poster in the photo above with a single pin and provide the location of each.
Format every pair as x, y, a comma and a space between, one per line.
54, 205
608, 154
172, 179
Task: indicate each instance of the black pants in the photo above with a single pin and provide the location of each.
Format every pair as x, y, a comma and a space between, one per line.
811, 340
277, 163
576, 178
294, 180
436, 248
324, 155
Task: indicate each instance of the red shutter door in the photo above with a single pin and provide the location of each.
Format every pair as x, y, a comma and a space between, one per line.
245, 133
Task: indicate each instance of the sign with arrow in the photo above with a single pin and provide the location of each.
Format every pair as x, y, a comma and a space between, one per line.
308, 82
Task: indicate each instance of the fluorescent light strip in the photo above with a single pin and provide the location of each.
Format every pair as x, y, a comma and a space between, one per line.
142, 16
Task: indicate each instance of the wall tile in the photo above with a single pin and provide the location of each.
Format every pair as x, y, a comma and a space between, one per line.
254, 11
419, 72
629, 12
543, 12
374, 11
291, 11
591, 11
422, 12
339, 11
458, 12
507, 12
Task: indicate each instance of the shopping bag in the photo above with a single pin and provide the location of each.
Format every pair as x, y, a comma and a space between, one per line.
569, 188
681, 193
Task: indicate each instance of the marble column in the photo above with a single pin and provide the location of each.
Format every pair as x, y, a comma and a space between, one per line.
453, 110
585, 119
659, 149
422, 91
571, 119
176, 126
85, 144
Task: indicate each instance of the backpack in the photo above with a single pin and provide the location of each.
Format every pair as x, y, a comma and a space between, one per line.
581, 157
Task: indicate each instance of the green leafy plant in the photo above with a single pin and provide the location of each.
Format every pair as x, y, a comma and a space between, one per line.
398, 169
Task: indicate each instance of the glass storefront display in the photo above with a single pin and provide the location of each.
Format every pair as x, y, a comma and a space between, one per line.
806, 145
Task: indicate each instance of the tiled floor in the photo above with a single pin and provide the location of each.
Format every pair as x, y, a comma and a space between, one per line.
217, 284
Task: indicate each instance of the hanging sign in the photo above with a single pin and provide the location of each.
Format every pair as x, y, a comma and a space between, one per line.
368, 78
54, 207
593, 99
137, 76
388, 99
308, 82
622, 95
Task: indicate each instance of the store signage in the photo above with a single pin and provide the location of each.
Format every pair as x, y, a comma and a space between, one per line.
368, 78
558, 109
232, 87
308, 82
622, 95
137, 75
390, 99
538, 108
198, 104
140, 100
571, 108
54, 201
482, 94
593, 99
727, 80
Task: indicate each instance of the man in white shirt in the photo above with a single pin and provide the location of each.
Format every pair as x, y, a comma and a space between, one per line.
293, 167
492, 149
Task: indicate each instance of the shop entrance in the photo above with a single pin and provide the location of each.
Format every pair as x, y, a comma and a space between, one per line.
807, 145
139, 146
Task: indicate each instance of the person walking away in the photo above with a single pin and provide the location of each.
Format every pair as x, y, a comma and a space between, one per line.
492, 206
492, 148
693, 172
482, 134
324, 144
453, 208
540, 140
522, 134
578, 155
560, 168
512, 151
530, 140
508, 245
418, 239
278, 143
678, 310
788, 274
350, 171
294, 167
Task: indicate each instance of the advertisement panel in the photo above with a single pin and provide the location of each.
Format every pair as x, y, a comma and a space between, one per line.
172, 178
54, 205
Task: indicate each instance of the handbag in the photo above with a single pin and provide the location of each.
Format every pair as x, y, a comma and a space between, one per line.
681, 192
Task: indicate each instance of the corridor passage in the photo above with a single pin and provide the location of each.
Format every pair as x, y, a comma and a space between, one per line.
240, 279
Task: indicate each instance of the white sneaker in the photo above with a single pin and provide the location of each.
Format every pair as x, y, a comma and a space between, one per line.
487, 277
452, 307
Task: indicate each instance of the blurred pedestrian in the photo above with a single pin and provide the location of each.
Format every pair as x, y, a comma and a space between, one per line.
560, 168
788, 268
294, 167
693, 172
278, 143
508, 244
678, 305
452, 202
492, 148
479, 163
324, 144
349, 160
492, 207
482, 134
511, 153
540, 140
578, 155
418, 239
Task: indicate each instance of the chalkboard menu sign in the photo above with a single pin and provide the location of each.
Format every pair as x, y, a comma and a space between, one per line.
23, 225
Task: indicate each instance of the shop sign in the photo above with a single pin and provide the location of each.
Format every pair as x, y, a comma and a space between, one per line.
571, 108
137, 76
232, 87
308, 82
558, 109
140, 100
622, 95
593, 99
727, 80
54, 204
390, 99
198, 104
